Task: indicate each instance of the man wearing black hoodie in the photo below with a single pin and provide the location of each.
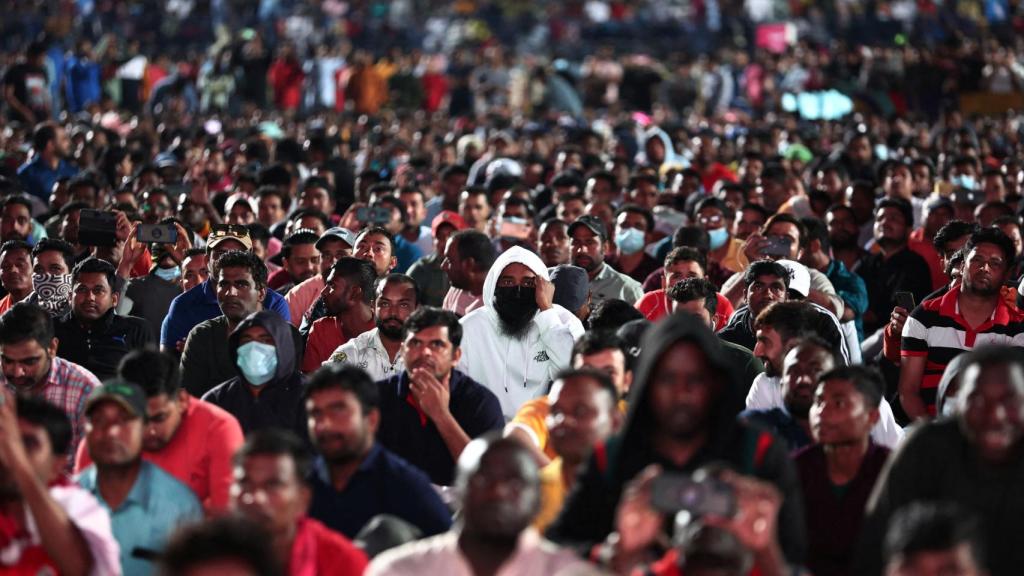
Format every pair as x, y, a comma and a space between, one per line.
267, 392
682, 416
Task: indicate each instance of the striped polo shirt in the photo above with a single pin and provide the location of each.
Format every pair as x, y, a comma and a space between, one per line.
938, 331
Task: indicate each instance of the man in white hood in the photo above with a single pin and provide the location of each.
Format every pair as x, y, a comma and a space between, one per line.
520, 339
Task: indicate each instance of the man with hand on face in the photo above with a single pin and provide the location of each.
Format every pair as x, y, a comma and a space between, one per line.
499, 496
146, 504
842, 462
348, 295
334, 244
431, 411
587, 242
379, 351
94, 335
517, 343
271, 489
149, 296
190, 439
354, 478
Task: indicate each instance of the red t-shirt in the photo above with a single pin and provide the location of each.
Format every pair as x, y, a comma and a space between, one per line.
324, 338
654, 305
319, 550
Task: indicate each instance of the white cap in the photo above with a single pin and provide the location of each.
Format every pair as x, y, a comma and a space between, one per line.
799, 277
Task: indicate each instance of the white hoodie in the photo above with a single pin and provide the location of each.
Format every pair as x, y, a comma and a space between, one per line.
516, 370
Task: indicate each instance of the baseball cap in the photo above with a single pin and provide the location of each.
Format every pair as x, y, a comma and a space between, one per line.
593, 223
447, 217
128, 394
225, 232
799, 277
339, 233
571, 286
165, 160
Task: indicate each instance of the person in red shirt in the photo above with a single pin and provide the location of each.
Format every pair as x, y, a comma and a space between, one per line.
286, 77
681, 263
347, 295
270, 489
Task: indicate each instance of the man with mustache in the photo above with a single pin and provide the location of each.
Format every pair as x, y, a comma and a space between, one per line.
587, 243
969, 315
347, 295
379, 351
520, 340
430, 412
554, 242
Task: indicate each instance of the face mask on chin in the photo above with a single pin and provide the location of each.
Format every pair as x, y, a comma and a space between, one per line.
516, 307
171, 274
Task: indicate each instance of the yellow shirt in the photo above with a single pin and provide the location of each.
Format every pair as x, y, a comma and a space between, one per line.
552, 494
532, 418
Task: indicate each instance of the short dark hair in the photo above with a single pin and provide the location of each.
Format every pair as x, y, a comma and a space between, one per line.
300, 237
357, 272
243, 259
193, 252
346, 378
476, 245
692, 289
692, 237
38, 412
43, 134
272, 190
637, 209
517, 201
766, 268
26, 321
686, 254
67, 251
900, 204
816, 230
596, 341
789, 219
717, 203
16, 245
930, 527
229, 537
755, 208
604, 381
155, 372
93, 265
277, 442
402, 279
611, 313
428, 317
379, 230
788, 319
867, 380
991, 235
951, 231
18, 199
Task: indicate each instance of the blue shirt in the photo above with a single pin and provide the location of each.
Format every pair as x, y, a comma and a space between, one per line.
780, 423
37, 178
406, 253
383, 484
851, 289
200, 303
156, 506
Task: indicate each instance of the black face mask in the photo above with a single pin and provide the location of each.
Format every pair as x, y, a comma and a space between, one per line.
516, 306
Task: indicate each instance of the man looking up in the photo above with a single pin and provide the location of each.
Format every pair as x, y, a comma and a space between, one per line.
15, 272
347, 294
468, 257
354, 478
379, 351
587, 243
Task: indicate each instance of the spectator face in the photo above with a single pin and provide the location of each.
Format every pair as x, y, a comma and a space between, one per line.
308, 222
15, 271
113, 435
763, 291
474, 210
587, 249
554, 244
628, 220
46, 465
163, 417
800, 370
840, 414
612, 362
271, 210
194, 272
582, 415
339, 429
268, 491
415, 209
303, 263
842, 229
769, 348
502, 495
899, 182
455, 267
338, 294
92, 296
679, 271
682, 391
255, 334
859, 150
15, 223
994, 187
890, 227
599, 190
330, 252
444, 232
431, 350
155, 207
785, 230
985, 270
936, 219
241, 214
602, 211
645, 194
238, 294
61, 143
376, 248
922, 180
318, 199
992, 409
749, 222
50, 262
710, 218
1013, 231
569, 210
27, 363
861, 200
395, 302
958, 560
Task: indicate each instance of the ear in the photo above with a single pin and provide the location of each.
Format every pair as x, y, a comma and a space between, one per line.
873, 417
115, 297
394, 262
51, 350
263, 294
618, 418
627, 381
456, 355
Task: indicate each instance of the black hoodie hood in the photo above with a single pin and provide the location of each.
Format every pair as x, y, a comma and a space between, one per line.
280, 330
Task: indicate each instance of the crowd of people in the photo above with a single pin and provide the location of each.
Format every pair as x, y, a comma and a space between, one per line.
388, 288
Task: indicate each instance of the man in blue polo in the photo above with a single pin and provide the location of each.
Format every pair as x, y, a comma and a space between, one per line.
51, 146
200, 303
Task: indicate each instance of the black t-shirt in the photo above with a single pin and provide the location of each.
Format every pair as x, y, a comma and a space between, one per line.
905, 271
31, 88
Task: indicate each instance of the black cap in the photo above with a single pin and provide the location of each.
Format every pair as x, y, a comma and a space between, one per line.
571, 286
593, 223
129, 395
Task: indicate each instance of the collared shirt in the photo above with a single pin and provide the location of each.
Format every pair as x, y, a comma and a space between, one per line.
406, 430
200, 303
67, 387
100, 345
326, 335
609, 283
383, 484
38, 178
198, 455
367, 352
441, 555
938, 331
301, 298
154, 508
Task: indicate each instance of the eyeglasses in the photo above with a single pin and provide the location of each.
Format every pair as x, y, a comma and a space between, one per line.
225, 230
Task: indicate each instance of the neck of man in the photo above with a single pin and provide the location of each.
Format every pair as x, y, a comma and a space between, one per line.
848, 256
630, 261
843, 460
597, 270
19, 295
392, 347
115, 482
676, 450
890, 248
977, 305
486, 555
570, 467
232, 324
283, 544
342, 470
818, 260
50, 159
355, 318
476, 285
721, 252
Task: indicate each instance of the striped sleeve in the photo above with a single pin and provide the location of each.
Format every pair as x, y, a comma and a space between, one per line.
915, 335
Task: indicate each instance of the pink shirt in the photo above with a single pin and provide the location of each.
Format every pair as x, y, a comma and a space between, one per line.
461, 302
301, 298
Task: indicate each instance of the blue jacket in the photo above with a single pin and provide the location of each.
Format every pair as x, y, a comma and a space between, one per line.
200, 303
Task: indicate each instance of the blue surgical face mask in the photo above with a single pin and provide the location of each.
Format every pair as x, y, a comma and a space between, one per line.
630, 241
965, 181
257, 361
171, 274
718, 237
